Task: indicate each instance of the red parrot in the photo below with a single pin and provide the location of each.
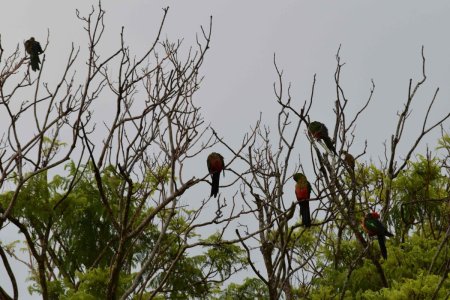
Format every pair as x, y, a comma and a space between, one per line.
33, 48
302, 192
215, 166
372, 225
319, 131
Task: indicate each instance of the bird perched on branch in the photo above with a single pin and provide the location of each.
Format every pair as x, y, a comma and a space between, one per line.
319, 131
372, 225
349, 160
33, 48
302, 192
215, 166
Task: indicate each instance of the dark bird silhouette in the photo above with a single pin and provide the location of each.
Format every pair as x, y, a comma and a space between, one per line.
215, 166
349, 160
303, 192
319, 131
33, 48
372, 225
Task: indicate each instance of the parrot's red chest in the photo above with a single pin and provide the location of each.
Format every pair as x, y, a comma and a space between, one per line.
216, 165
301, 193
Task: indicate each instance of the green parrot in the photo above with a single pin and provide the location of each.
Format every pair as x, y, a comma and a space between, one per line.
302, 192
215, 166
372, 225
319, 131
33, 48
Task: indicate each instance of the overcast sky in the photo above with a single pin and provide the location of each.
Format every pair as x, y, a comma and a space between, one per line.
381, 40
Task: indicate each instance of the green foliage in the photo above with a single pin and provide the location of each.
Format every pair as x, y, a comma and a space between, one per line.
187, 279
84, 239
405, 264
419, 214
370, 180
303, 239
444, 142
250, 289
422, 287
33, 201
160, 176
221, 258
55, 288
93, 285
417, 192
192, 275
71, 208
89, 232
50, 147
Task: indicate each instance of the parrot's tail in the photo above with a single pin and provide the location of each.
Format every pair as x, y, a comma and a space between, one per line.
382, 242
34, 62
215, 184
304, 211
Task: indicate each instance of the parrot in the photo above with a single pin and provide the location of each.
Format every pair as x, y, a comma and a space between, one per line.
215, 166
33, 48
349, 160
372, 225
302, 192
319, 131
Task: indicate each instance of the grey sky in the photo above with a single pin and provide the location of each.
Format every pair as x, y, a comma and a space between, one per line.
380, 40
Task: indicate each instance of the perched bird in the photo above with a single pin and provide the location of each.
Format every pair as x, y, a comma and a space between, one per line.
33, 48
372, 225
215, 166
302, 192
349, 160
319, 131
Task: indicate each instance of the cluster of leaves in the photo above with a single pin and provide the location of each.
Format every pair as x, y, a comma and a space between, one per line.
113, 226
417, 265
407, 269
83, 240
